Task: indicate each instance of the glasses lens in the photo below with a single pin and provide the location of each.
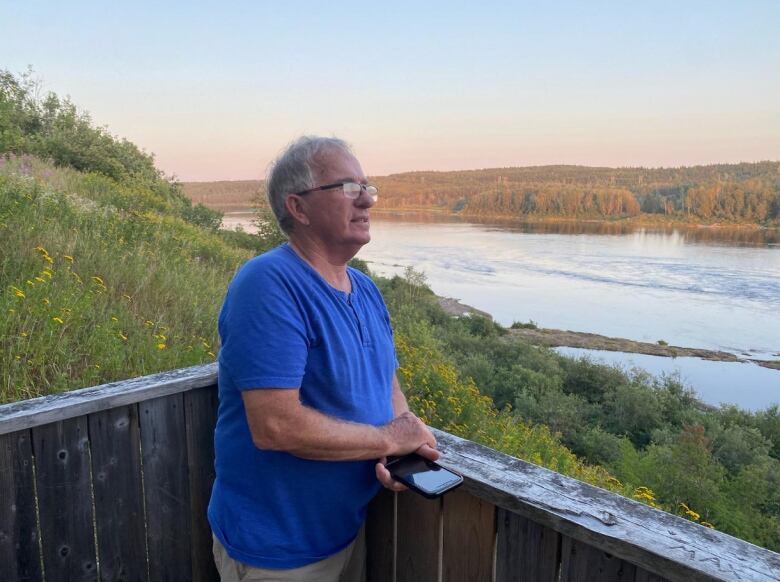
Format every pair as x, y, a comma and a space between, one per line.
351, 190
372, 191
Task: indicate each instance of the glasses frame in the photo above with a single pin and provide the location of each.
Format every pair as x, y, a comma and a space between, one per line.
363, 187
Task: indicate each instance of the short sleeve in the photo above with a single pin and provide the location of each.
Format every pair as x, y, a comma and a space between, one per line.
263, 332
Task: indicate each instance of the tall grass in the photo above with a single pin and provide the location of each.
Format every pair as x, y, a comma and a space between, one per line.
100, 282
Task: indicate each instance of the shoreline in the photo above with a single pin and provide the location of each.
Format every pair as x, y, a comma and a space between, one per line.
554, 338
641, 220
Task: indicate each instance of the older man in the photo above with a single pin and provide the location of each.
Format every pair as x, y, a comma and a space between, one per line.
309, 402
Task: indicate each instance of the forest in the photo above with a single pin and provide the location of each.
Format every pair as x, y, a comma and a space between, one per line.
747, 193
733, 193
110, 272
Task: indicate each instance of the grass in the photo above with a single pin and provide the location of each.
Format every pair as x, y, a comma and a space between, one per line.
99, 283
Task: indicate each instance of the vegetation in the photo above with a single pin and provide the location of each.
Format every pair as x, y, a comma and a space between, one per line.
108, 273
723, 192
717, 467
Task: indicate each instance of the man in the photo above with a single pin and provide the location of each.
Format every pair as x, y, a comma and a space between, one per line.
310, 406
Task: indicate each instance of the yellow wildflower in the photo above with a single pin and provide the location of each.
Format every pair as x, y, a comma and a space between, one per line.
76, 275
123, 336
57, 320
97, 366
45, 301
40, 280
211, 354
126, 296
23, 334
48, 259
30, 283
161, 346
148, 323
12, 311
70, 260
114, 318
18, 292
41, 250
98, 280
47, 272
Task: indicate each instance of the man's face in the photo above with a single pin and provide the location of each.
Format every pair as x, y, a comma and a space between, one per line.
338, 221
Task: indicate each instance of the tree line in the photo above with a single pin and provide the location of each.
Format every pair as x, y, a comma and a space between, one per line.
745, 192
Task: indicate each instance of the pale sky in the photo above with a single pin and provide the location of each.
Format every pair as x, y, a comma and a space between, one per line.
216, 89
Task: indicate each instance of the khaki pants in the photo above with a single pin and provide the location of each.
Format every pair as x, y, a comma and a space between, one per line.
349, 565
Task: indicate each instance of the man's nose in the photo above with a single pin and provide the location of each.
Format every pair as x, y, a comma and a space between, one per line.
365, 200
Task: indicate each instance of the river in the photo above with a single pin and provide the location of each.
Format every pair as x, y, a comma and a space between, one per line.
713, 288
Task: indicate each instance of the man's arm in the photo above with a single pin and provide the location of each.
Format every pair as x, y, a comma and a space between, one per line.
399, 399
279, 421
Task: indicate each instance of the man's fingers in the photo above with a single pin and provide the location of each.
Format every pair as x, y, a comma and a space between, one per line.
428, 452
386, 479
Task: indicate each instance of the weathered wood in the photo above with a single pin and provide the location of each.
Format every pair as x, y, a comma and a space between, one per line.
61, 452
469, 537
46, 409
525, 550
583, 563
19, 549
418, 539
657, 541
116, 481
200, 412
166, 488
380, 538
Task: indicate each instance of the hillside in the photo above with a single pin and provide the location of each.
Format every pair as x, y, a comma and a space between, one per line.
109, 272
733, 193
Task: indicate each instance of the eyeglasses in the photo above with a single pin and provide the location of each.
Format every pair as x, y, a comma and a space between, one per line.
351, 189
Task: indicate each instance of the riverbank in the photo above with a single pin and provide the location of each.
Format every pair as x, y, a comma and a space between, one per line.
554, 338
643, 220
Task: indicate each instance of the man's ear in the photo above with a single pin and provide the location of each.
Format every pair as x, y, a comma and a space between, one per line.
296, 208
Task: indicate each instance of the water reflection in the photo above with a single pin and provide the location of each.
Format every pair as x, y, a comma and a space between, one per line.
711, 288
746, 385
715, 235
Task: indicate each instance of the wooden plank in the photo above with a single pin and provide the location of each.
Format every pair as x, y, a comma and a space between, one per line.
166, 488
19, 548
468, 538
583, 563
645, 576
56, 407
418, 538
116, 478
65, 500
200, 412
659, 542
525, 550
380, 538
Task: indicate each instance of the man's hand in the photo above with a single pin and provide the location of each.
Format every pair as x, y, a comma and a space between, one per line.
407, 433
384, 477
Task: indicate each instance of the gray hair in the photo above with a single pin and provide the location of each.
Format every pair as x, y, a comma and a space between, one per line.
295, 170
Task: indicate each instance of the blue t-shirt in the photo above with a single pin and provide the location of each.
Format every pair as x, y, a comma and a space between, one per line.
283, 326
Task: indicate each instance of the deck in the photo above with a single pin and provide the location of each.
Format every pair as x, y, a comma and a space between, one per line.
112, 482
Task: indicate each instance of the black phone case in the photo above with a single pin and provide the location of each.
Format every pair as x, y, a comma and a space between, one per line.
425, 494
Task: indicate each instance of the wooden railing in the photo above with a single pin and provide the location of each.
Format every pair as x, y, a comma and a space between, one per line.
112, 482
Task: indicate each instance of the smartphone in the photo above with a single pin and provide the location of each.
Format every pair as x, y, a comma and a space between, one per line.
427, 478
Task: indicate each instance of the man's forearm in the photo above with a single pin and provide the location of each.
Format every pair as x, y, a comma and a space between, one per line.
399, 399
310, 434
279, 421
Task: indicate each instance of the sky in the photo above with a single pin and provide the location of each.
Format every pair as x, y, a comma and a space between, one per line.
216, 89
